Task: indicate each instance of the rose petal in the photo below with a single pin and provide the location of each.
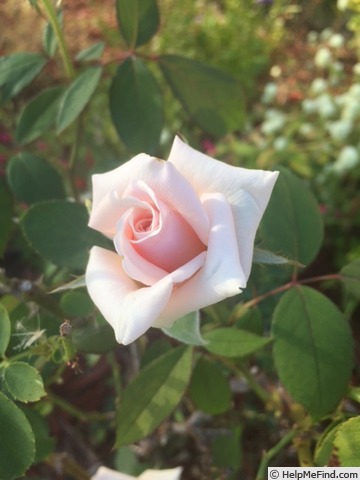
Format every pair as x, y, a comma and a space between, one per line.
188, 270
104, 473
106, 187
175, 244
130, 310
168, 474
247, 191
159, 175
145, 272
168, 242
136, 266
221, 276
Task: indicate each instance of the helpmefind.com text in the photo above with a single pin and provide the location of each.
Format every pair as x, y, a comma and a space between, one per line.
288, 473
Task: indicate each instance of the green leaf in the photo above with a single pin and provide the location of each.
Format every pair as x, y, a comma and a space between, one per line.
23, 382
34, 4
232, 342
251, 321
5, 330
155, 350
347, 441
32, 179
6, 215
127, 17
213, 99
58, 231
127, 462
17, 71
226, 448
186, 329
153, 395
94, 338
354, 394
138, 20
325, 444
78, 282
13, 66
76, 97
91, 53
312, 350
292, 225
38, 116
44, 444
266, 257
149, 20
49, 39
350, 276
209, 388
136, 106
17, 441
76, 304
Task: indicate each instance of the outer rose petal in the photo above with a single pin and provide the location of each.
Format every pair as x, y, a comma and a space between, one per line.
130, 310
247, 191
104, 473
168, 474
161, 176
221, 276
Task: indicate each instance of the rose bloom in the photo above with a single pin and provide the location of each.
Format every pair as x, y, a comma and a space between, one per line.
183, 231
104, 473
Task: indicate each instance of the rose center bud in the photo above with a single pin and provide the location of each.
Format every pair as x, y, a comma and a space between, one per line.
143, 225
166, 240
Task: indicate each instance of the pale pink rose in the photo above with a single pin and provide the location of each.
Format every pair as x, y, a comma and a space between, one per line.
183, 231
104, 473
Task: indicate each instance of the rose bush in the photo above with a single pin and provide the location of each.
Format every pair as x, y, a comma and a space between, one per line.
183, 231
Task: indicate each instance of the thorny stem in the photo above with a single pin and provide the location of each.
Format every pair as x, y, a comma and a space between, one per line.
267, 457
255, 301
321, 278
